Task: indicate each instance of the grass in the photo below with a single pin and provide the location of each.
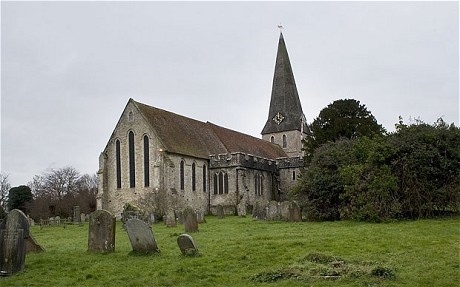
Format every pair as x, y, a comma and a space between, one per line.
244, 252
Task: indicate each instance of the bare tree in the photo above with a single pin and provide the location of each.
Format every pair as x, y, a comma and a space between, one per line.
60, 182
5, 187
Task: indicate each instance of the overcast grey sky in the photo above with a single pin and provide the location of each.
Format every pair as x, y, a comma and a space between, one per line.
69, 68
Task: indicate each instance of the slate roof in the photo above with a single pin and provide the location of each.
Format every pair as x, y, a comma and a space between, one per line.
190, 137
284, 99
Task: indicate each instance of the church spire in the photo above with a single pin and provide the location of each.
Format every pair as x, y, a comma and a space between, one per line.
285, 113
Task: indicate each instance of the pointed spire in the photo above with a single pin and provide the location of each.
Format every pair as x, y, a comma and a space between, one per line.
285, 113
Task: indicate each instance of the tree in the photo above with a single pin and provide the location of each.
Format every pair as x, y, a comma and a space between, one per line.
18, 197
4, 189
342, 119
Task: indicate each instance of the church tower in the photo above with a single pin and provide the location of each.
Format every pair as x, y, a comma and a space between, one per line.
286, 124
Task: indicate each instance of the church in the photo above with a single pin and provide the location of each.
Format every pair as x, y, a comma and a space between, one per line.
176, 162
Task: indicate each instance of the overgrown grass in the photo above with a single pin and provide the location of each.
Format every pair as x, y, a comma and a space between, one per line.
244, 252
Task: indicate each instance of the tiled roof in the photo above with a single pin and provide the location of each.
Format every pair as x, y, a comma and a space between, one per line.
190, 137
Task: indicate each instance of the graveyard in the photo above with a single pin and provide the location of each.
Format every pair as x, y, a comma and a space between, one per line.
242, 251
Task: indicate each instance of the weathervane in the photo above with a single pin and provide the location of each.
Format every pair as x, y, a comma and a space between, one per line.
280, 27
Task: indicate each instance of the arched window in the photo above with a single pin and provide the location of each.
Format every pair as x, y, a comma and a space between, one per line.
182, 175
293, 175
258, 182
146, 162
118, 162
284, 141
272, 139
132, 175
215, 184
204, 178
193, 177
220, 183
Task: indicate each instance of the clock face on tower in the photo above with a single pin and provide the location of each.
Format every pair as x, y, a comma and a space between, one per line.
278, 118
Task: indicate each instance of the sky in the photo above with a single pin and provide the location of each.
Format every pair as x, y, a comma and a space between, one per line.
69, 68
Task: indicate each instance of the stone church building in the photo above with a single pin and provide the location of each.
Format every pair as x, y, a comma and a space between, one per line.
181, 162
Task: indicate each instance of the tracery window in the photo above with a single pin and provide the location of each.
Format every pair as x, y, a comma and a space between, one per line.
220, 183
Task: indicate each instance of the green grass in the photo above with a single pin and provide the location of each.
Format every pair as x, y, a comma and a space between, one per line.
244, 252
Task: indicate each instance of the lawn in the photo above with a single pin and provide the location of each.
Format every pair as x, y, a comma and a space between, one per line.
245, 252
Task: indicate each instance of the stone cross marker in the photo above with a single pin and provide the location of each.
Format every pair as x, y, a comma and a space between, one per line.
13, 233
220, 211
190, 222
76, 215
101, 233
187, 245
141, 236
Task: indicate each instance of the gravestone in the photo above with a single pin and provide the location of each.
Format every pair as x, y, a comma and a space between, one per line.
241, 208
76, 215
141, 236
101, 232
259, 211
285, 210
32, 245
200, 217
295, 212
187, 245
273, 212
13, 234
190, 222
170, 219
220, 211
82, 217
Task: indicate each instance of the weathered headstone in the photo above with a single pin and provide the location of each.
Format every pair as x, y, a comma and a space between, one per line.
13, 233
273, 211
200, 217
12, 251
32, 245
76, 215
242, 208
220, 211
82, 217
141, 236
190, 222
170, 219
295, 212
285, 210
101, 233
259, 211
187, 245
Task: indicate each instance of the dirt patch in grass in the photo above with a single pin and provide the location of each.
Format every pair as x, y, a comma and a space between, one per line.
318, 266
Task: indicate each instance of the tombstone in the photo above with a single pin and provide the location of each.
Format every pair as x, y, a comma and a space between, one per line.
13, 233
190, 222
241, 208
32, 245
101, 232
187, 245
285, 210
141, 237
170, 219
220, 211
76, 215
273, 212
295, 212
259, 211
200, 217
82, 217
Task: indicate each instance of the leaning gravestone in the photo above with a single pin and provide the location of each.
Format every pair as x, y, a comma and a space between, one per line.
101, 233
141, 237
220, 211
190, 222
13, 233
187, 245
76, 215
